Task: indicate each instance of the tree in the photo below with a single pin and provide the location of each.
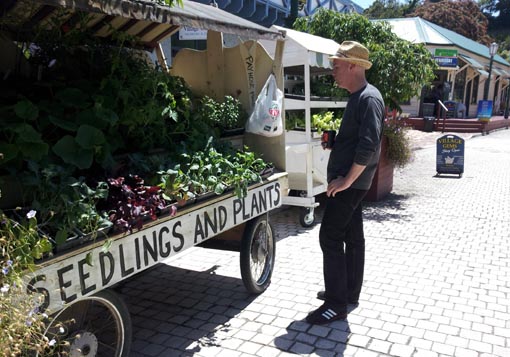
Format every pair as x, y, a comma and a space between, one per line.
498, 13
400, 69
389, 9
499, 7
461, 16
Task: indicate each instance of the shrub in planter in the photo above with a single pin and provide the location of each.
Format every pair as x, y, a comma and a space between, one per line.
399, 150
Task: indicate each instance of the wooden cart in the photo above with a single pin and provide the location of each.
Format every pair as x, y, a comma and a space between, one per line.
84, 311
95, 320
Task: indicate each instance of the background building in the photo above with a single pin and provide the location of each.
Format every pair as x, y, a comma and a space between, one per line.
463, 69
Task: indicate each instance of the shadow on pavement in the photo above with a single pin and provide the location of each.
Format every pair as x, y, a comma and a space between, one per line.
301, 339
391, 208
178, 311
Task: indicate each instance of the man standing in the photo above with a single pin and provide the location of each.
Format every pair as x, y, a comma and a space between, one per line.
351, 167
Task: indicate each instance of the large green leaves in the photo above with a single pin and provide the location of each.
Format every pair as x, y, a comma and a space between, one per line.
72, 153
25, 109
73, 98
79, 151
89, 137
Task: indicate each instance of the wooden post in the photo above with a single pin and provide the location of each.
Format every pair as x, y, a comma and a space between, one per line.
215, 65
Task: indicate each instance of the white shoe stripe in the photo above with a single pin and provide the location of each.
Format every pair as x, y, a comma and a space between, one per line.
329, 314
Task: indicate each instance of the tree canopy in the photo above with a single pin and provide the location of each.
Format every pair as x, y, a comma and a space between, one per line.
462, 16
390, 9
484, 21
399, 69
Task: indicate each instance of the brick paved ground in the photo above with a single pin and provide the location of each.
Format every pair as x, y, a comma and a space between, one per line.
437, 280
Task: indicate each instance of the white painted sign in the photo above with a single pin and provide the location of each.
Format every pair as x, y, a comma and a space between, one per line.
190, 33
72, 278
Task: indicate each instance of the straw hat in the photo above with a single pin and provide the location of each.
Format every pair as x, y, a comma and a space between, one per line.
353, 52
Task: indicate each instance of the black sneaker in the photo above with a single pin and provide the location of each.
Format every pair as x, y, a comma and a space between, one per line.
321, 295
325, 314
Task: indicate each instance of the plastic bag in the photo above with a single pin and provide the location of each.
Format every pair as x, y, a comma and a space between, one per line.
266, 118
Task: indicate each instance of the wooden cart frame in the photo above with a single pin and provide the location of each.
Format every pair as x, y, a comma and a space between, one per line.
85, 311
95, 320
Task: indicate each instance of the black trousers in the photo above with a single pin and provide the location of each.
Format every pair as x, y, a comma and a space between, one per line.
343, 246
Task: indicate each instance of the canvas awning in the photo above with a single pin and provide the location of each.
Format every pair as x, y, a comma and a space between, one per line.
147, 20
318, 48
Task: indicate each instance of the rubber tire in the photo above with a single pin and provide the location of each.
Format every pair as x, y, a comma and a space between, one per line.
307, 217
257, 285
118, 311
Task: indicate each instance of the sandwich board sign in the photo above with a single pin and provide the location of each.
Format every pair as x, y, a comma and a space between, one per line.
450, 155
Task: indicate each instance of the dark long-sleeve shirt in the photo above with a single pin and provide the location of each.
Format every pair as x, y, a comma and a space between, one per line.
359, 137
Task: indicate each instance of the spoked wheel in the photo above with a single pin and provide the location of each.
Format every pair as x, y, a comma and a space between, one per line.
257, 254
307, 217
96, 326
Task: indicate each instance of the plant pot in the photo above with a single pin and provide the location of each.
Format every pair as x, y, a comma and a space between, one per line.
205, 196
167, 210
72, 241
185, 203
382, 183
268, 171
99, 234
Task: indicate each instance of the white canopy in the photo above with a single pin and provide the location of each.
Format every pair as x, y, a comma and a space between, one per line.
302, 45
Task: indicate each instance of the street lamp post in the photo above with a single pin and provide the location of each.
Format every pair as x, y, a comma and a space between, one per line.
493, 48
507, 97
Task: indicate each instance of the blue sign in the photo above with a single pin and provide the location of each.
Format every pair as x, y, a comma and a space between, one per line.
446, 61
450, 155
484, 111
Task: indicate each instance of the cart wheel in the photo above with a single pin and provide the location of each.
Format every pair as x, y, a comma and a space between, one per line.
307, 217
257, 254
98, 325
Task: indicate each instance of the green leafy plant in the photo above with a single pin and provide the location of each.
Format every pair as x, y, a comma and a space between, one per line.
211, 170
21, 323
90, 92
325, 121
226, 115
82, 208
294, 119
175, 185
245, 170
399, 150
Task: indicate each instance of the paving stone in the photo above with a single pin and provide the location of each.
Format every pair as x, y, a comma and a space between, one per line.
425, 353
401, 350
249, 347
359, 340
380, 345
301, 348
435, 277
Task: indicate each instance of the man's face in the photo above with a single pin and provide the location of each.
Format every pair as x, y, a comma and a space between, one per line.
341, 72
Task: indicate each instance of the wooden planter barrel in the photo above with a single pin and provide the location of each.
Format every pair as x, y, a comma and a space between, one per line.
382, 183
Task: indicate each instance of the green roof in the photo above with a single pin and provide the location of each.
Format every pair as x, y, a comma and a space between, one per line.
418, 30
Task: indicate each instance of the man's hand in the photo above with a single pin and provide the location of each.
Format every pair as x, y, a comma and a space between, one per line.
337, 185
343, 183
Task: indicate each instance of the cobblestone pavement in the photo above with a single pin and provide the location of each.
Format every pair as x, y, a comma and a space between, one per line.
437, 278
